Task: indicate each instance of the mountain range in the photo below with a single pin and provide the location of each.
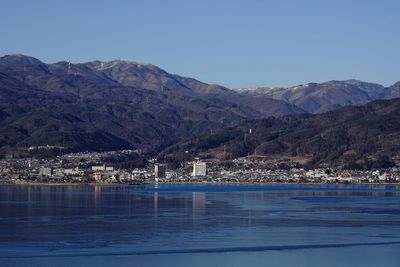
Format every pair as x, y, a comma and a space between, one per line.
121, 104
114, 105
323, 97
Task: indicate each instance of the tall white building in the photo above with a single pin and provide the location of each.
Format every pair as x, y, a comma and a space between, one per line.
199, 169
159, 170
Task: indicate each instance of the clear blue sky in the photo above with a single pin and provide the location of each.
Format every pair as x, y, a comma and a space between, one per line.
233, 43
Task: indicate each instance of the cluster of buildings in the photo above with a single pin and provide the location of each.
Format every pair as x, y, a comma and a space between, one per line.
90, 168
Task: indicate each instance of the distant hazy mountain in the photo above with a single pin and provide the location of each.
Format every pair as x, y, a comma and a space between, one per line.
355, 136
114, 105
392, 91
318, 98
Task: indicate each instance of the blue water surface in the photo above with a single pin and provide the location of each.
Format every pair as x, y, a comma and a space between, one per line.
200, 225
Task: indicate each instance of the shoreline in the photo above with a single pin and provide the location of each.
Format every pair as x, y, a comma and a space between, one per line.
183, 183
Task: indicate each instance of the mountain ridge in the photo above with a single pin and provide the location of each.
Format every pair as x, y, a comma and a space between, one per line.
327, 96
126, 105
121, 104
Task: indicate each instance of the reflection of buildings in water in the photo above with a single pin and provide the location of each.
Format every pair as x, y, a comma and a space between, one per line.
29, 195
97, 193
155, 196
97, 189
155, 203
198, 207
198, 200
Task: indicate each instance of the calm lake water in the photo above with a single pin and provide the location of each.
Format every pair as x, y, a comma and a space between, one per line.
200, 225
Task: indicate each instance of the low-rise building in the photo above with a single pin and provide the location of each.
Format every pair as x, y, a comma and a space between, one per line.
45, 171
103, 168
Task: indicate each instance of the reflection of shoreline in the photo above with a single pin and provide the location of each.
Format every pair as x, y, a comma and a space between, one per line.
377, 189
